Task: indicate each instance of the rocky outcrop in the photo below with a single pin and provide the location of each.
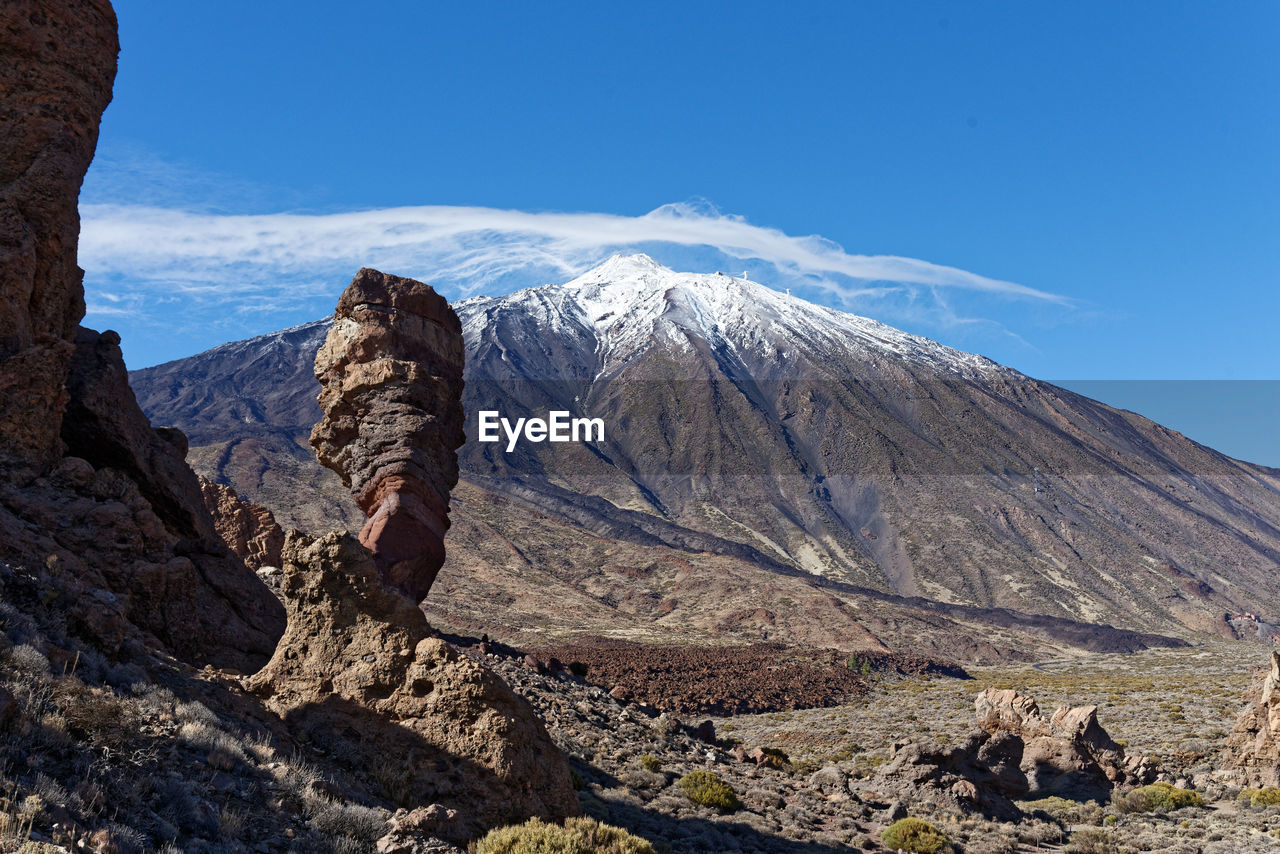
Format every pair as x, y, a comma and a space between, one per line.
391, 377
248, 529
1017, 754
359, 675
1068, 754
1253, 748
88, 489
57, 64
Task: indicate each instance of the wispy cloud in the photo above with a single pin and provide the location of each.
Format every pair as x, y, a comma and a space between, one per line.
228, 256
159, 263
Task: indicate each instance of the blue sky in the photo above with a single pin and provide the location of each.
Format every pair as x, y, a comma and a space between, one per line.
1080, 190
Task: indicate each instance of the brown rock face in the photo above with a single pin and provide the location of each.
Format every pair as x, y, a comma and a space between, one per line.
119, 522
391, 377
248, 529
1254, 746
57, 64
358, 672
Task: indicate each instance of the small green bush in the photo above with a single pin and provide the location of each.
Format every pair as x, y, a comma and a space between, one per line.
578, 668
1268, 796
576, 780
576, 836
914, 834
650, 763
707, 789
1157, 797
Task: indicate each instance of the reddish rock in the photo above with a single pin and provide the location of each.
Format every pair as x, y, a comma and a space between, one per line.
57, 64
534, 664
391, 382
248, 529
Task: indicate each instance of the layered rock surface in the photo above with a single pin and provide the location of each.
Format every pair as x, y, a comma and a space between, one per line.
359, 673
248, 529
1254, 745
391, 377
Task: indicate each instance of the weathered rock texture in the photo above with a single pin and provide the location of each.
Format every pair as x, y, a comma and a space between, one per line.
87, 487
1254, 746
359, 673
248, 529
391, 377
57, 63
1017, 754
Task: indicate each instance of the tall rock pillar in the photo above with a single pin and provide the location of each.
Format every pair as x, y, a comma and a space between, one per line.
391, 388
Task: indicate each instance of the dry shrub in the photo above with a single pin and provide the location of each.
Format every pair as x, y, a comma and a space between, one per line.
1091, 840
914, 834
709, 790
576, 836
1156, 797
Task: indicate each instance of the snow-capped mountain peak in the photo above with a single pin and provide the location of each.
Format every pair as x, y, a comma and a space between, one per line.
628, 302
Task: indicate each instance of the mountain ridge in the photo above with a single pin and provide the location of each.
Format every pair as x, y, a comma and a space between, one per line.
752, 425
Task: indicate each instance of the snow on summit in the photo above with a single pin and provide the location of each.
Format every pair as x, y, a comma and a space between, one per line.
629, 301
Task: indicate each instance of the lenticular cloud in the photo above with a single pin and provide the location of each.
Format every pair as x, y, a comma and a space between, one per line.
142, 259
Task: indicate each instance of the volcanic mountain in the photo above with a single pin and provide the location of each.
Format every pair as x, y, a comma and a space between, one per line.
772, 469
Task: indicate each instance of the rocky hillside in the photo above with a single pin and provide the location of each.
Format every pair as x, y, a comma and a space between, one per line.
760, 449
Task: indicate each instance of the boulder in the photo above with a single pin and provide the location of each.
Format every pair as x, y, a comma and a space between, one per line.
358, 674
390, 372
1015, 754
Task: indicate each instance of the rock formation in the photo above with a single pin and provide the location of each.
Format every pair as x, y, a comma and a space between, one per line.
88, 489
358, 672
248, 529
1253, 748
1017, 754
391, 377
57, 64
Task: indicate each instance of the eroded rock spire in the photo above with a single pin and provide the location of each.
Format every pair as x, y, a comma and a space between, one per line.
391, 377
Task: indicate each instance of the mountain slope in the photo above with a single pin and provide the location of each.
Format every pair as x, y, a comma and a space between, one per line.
793, 439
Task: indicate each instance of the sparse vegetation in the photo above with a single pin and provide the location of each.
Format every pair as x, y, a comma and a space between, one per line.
1091, 840
914, 834
1267, 796
1156, 797
575, 836
709, 790
650, 763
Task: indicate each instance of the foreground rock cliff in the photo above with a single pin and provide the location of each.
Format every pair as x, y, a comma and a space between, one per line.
391, 377
87, 487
